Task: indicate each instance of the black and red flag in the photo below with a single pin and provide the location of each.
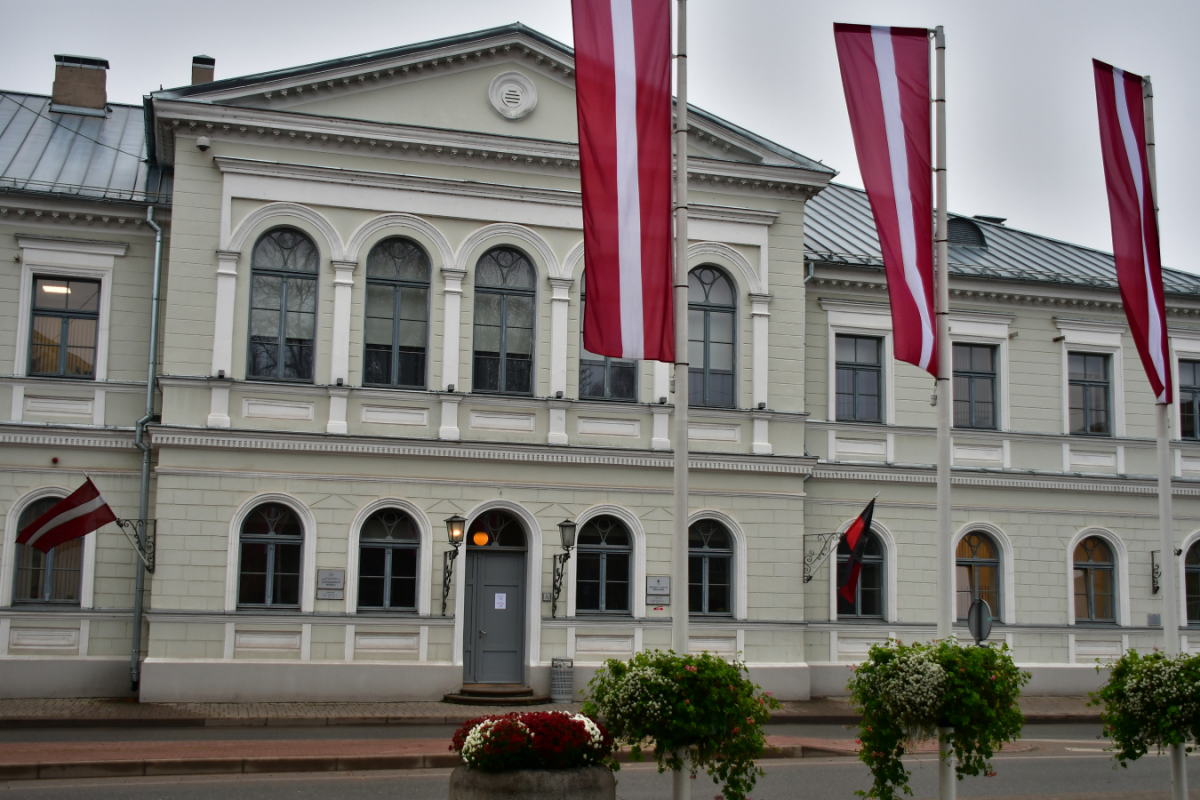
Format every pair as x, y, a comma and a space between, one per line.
75, 516
856, 539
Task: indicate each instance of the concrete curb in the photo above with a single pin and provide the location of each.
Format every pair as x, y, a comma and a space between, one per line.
222, 766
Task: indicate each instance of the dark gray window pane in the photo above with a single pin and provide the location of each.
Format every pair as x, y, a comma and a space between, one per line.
720, 356
380, 300
591, 380
414, 304
622, 381
266, 291
398, 259
695, 387
486, 373
845, 348
962, 357
1075, 365
487, 309
981, 359
866, 350
518, 375
50, 294
720, 390
285, 249
252, 588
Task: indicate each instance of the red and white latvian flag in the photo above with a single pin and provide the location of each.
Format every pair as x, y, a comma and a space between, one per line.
623, 94
885, 74
857, 538
1134, 226
75, 516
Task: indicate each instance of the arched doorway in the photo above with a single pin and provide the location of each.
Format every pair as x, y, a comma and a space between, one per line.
494, 600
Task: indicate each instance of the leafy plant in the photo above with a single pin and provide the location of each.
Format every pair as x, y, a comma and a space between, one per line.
701, 706
906, 692
532, 740
1150, 701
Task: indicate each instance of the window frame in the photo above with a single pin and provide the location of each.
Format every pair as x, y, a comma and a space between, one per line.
64, 315
271, 541
882, 561
84, 564
877, 368
1193, 357
974, 563
504, 293
605, 361
706, 553
285, 276
1086, 383
1185, 570
1090, 582
398, 285
708, 309
604, 550
971, 375
389, 546
858, 319
1095, 337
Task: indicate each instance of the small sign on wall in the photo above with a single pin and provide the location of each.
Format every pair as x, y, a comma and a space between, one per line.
331, 584
658, 590
501, 601
331, 579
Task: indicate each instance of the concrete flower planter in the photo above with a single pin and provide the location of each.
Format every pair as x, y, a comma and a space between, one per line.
585, 783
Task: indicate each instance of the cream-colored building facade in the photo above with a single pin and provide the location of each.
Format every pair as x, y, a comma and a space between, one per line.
370, 322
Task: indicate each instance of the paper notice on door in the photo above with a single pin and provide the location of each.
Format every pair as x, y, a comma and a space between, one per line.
501, 601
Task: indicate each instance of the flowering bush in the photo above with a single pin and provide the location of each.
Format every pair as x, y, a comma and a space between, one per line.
1150, 701
701, 706
532, 740
905, 693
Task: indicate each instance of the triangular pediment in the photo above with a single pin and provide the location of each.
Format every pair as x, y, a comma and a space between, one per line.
509, 81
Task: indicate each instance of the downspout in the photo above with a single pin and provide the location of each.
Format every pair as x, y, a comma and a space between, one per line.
811, 271
140, 441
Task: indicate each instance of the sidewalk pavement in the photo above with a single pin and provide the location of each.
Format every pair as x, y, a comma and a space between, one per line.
106, 713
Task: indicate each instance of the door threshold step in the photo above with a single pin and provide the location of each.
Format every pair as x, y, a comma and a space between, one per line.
496, 694
495, 690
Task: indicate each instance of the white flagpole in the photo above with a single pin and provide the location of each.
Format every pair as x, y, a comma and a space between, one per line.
947, 784
1166, 527
681, 783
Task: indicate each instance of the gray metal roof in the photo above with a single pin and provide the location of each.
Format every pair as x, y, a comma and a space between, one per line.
92, 157
839, 229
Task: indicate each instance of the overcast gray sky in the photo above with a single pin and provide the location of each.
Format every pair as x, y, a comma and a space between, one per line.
1023, 140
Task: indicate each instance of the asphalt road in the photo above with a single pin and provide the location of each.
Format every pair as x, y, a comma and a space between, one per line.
1075, 774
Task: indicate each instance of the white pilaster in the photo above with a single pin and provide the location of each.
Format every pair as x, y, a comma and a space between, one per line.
661, 436
762, 436
349, 642
18, 403
230, 637
423, 644
339, 356
760, 316
559, 303
85, 635
218, 411
337, 409
558, 422
222, 360
98, 408
449, 427
6, 628
306, 641
450, 336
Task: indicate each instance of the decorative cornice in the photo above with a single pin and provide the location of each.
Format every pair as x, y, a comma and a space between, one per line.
60, 384
75, 212
34, 434
172, 436
297, 618
892, 473
977, 434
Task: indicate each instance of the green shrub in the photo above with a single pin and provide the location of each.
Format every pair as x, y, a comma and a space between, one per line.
700, 705
1150, 701
906, 692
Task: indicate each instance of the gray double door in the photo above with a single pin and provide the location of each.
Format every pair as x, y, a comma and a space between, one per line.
494, 627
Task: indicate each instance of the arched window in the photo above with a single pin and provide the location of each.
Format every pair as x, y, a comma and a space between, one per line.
397, 318
387, 561
1094, 593
1191, 582
710, 338
271, 542
53, 577
602, 572
710, 568
868, 596
283, 306
496, 529
504, 302
978, 573
602, 377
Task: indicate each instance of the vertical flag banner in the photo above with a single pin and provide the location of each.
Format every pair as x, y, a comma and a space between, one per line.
73, 517
1131, 211
623, 95
856, 539
885, 74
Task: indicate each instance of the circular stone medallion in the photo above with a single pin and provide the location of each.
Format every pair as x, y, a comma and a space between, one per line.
513, 95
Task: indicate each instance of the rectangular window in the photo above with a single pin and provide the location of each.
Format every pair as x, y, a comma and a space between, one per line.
974, 386
52, 577
1088, 387
65, 318
859, 378
395, 330
1189, 399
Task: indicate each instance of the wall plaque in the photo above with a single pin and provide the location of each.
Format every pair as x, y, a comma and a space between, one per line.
501, 601
330, 594
331, 579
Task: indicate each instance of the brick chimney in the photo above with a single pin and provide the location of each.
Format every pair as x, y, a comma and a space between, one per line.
80, 82
203, 68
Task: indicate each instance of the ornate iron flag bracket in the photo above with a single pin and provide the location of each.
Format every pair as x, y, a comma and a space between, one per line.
818, 552
560, 568
1156, 569
140, 533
